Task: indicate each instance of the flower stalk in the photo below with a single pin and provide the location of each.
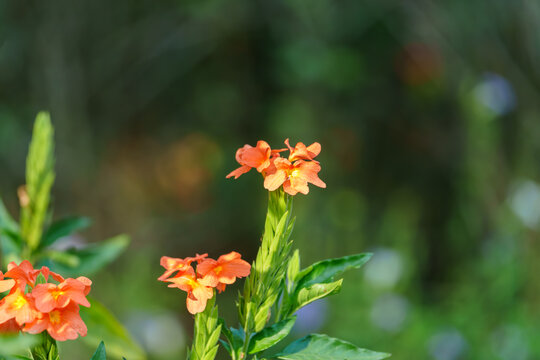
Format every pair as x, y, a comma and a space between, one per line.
264, 285
206, 333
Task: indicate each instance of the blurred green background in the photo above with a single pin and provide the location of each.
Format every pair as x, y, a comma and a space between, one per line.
428, 116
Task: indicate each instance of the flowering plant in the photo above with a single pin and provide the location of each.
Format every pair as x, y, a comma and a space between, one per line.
38, 306
46, 306
276, 286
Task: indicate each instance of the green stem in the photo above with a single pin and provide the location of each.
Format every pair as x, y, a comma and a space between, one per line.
206, 333
262, 287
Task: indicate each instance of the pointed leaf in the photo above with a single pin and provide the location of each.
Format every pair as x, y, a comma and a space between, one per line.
100, 353
64, 227
271, 335
103, 326
292, 269
323, 347
39, 180
235, 338
326, 270
40, 279
312, 293
40, 160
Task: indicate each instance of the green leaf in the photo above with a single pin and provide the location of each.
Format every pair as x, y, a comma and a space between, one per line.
323, 347
40, 279
64, 227
326, 270
312, 293
271, 335
39, 180
6, 221
11, 243
292, 269
12, 344
90, 258
46, 349
103, 326
100, 353
235, 338
40, 158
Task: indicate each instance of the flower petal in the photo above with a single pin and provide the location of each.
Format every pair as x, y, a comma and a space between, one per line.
275, 180
236, 173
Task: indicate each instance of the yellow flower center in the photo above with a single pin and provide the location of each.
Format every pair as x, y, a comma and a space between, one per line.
54, 317
218, 269
57, 293
193, 283
19, 303
294, 173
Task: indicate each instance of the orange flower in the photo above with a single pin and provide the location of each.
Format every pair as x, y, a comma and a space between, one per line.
210, 274
293, 172
46, 306
86, 282
46, 273
252, 157
199, 290
17, 306
173, 264
50, 296
24, 274
62, 324
225, 270
301, 152
294, 177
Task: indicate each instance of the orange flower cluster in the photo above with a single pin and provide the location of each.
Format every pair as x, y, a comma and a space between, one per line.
34, 308
293, 172
199, 283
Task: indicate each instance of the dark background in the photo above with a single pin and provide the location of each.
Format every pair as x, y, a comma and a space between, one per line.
427, 113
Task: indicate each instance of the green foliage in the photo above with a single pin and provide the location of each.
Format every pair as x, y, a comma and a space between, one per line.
271, 335
264, 285
207, 332
311, 293
100, 353
39, 180
89, 259
64, 227
103, 326
40, 279
323, 347
293, 269
235, 340
46, 349
267, 282
326, 270
28, 243
317, 281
